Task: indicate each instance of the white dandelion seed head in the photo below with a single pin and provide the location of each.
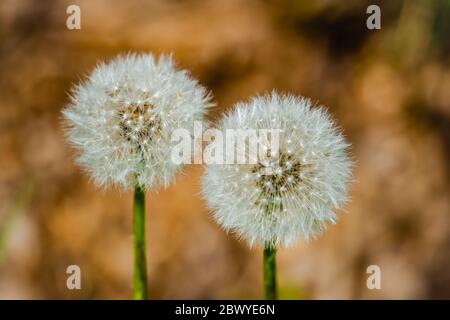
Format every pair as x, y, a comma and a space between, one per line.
121, 119
292, 195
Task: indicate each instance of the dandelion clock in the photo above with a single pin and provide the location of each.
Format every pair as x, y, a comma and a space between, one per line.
121, 119
287, 195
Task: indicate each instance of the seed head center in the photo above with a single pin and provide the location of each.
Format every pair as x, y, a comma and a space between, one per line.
275, 177
138, 121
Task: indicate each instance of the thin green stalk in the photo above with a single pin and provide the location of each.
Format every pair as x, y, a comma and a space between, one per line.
270, 275
140, 261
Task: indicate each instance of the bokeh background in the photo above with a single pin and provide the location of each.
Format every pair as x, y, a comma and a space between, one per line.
389, 89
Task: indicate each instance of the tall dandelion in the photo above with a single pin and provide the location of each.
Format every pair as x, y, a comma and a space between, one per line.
289, 194
121, 119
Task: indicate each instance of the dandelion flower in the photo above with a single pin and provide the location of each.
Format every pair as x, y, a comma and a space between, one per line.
121, 120
289, 195
122, 117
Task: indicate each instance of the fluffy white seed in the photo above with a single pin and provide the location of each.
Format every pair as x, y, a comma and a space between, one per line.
125, 112
278, 207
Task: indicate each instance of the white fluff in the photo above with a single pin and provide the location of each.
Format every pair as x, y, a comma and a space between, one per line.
121, 119
305, 183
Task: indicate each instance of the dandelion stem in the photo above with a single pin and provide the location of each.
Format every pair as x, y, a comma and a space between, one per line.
140, 262
270, 282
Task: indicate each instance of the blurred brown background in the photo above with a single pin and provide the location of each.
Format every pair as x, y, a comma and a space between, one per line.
389, 89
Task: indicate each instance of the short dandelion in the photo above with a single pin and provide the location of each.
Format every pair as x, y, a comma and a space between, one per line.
289, 194
121, 119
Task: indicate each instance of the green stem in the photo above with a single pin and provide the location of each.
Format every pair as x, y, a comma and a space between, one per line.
270, 281
140, 263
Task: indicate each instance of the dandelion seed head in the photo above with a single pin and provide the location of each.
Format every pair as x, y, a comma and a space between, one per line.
289, 195
125, 112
